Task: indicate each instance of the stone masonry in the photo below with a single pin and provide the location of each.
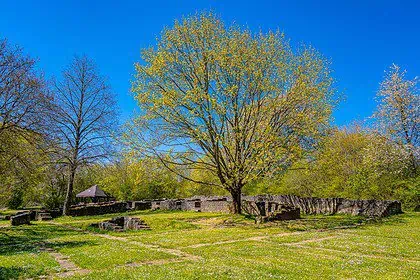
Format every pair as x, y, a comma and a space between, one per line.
122, 223
307, 205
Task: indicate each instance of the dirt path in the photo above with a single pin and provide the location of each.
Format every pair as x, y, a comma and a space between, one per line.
67, 267
176, 252
70, 268
254, 238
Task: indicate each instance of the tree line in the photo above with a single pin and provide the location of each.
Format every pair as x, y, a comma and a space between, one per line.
49, 129
223, 110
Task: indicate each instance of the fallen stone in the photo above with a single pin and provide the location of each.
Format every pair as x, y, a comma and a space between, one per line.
43, 216
122, 223
21, 219
284, 214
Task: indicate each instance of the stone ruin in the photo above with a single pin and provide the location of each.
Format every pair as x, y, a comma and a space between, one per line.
331, 206
121, 224
43, 216
269, 211
223, 204
100, 208
38, 214
307, 205
21, 219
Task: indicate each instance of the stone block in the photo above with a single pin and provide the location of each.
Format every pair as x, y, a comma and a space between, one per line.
21, 219
43, 216
122, 223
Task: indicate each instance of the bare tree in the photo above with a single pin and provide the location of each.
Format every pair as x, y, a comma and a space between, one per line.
24, 104
23, 96
84, 119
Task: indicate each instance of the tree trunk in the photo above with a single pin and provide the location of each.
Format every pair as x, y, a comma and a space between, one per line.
69, 194
237, 200
413, 162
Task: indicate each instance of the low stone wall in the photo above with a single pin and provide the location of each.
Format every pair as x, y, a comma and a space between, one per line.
214, 204
98, 209
222, 205
141, 205
266, 211
311, 205
307, 205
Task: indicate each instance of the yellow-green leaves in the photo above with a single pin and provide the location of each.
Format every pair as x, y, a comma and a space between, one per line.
237, 104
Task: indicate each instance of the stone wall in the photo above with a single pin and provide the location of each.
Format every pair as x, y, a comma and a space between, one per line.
222, 205
311, 205
265, 210
307, 205
98, 209
141, 205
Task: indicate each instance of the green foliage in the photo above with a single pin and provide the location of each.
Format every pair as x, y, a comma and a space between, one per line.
16, 200
23, 166
408, 191
353, 164
135, 179
229, 101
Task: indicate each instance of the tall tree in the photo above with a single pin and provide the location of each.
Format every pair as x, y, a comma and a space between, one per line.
398, 112
24, 104
24, 100
23, 96
223, 99
84, 118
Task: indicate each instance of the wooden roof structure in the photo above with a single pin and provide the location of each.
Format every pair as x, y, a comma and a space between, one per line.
93, 192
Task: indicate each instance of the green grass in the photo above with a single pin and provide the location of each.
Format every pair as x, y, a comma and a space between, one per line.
92, 252
190, 245
5, 212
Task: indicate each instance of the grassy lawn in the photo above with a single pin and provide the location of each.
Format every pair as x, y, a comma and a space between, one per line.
189, 245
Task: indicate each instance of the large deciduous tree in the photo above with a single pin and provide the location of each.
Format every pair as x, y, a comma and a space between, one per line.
24, 100
24, 104
398, 112
237, 104
84, 118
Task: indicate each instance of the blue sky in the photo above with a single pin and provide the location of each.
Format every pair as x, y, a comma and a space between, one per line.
362, 38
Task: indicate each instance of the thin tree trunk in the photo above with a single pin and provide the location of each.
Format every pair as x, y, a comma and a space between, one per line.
69, 193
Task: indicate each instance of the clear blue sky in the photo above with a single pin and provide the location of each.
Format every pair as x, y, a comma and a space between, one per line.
362, 38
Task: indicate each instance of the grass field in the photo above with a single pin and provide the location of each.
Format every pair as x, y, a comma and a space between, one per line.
189, 245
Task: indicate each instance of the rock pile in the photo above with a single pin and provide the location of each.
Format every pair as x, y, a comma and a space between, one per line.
122, 223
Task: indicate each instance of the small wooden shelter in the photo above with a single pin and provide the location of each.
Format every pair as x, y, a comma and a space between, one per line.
94, 193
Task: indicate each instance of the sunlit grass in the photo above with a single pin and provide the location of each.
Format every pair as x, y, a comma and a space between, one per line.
226, 247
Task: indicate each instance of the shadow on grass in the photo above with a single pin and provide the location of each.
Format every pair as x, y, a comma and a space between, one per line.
14, 240
326, 222
70, 244
8, 273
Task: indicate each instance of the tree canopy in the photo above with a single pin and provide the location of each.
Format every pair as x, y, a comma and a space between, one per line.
224, 99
